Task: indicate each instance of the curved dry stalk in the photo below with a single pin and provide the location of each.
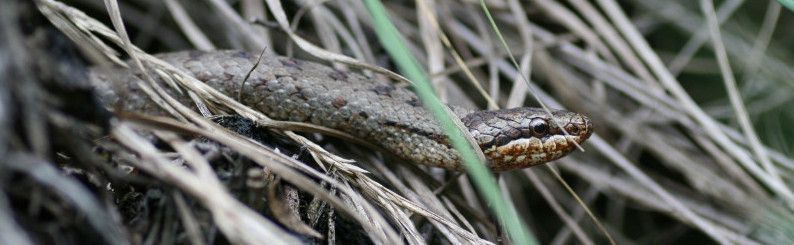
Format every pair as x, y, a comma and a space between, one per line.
659, 146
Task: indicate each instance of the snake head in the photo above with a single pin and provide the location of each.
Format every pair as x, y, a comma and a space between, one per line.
524, 137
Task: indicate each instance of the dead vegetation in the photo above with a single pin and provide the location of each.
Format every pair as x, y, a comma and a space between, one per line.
678, 157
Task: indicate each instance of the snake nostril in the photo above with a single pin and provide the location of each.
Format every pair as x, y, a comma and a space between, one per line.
572, 129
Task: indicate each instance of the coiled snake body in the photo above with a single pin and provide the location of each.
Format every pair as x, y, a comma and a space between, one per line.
388, 116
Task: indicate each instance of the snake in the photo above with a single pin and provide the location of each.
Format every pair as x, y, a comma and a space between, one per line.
387, 115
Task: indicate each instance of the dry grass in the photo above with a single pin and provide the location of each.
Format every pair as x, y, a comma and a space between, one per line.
664, 166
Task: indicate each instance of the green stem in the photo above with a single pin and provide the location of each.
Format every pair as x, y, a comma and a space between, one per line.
481, 176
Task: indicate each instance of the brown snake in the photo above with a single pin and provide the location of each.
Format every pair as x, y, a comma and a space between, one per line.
388, 116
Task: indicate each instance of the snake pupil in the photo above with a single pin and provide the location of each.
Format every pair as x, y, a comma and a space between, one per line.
539, 127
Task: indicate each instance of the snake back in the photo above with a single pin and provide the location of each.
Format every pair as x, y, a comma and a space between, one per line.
386, 115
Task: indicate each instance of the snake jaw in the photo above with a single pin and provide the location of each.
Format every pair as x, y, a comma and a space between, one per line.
525, 137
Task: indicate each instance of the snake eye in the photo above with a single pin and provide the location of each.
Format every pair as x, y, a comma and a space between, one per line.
539, 127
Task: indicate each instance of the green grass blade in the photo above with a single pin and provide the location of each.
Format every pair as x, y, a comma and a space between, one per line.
481, 176
788, 3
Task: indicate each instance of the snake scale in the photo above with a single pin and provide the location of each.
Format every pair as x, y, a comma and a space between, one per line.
388, 116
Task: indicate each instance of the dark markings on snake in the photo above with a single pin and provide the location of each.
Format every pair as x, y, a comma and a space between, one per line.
373, 110
292, 63
339, 102
383, 90
338, 75
414, 102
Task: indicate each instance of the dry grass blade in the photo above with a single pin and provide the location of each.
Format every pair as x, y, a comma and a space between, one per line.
675, 158
733, 92
237, 221
199, 40
577, 231
205, 92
